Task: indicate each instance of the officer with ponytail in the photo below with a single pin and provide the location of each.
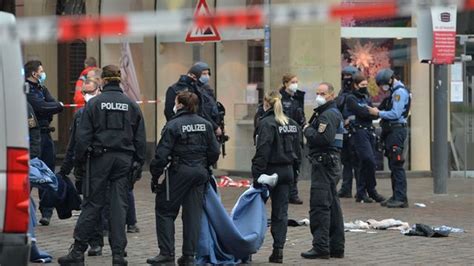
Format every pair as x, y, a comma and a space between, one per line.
278, 150
324, 135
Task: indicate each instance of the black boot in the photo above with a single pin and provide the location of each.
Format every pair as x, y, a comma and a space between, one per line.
75, 257
158, 259
118, 260
313, 254
94, 251
186, 260
277, 256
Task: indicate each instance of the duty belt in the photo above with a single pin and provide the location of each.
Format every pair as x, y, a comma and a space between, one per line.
47, 129
370, 128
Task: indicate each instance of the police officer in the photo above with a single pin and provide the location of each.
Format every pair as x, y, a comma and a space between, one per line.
44, 106
188, 146
394, 111
278, 150
34, 133
324, 135
348, 157
90, 90
363, 136
111, 141
292, 100
191, 82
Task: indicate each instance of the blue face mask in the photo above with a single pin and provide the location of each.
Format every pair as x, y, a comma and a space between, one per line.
42, 78
204, 79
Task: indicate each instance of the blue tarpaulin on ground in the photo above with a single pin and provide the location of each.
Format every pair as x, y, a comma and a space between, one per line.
230, 239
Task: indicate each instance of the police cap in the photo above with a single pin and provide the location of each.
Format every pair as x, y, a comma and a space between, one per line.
383, 76
350, 70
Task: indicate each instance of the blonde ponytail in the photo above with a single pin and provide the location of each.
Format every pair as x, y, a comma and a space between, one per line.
273, 98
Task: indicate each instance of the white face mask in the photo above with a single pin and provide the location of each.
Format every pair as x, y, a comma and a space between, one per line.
88, 96
175, 109
385, 87
293, 87
320, 100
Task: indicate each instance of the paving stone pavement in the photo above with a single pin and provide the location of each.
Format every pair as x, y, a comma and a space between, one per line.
382, 247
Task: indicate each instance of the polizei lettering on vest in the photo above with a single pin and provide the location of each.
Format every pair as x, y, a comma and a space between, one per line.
114, 106
193, 128
287, 129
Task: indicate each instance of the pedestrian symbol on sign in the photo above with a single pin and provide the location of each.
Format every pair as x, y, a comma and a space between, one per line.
208, 33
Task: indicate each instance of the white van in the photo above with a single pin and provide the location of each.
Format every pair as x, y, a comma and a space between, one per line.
14, 155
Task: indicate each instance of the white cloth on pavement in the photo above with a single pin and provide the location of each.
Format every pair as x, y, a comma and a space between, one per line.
389, 224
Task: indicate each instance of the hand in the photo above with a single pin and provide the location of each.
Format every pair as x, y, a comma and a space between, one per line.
373, 110
346, 122
218, 131
305, 126
154, 184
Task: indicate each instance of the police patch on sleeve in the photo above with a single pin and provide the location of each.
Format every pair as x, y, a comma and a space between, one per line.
396, 97
322, 128
31, 122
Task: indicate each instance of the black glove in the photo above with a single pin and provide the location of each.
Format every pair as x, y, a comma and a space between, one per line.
154, 184
79, 171
256, 184
78, 185
135, 173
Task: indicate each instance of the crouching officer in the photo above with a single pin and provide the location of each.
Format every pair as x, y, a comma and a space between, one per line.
324, 135
394, 111
110, 139
278, 150
188, 146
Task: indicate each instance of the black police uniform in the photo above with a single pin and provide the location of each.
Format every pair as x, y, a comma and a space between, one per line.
324, 139
207, 106
363, 136
44, 106
112, 129
97, 238
293, 107
394, 134
278, 150
188, 144
349, 159
34, 133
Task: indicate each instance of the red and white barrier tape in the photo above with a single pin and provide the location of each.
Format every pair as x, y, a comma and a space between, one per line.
68, 105
67, 28
225, 181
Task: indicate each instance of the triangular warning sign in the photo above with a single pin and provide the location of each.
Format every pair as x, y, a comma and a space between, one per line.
207, 33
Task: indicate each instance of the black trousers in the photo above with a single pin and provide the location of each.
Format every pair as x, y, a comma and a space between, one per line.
187, 185
394, 145
280, 197
349, 165
294, 184
48, 156
326, 221
365, 149
111, 169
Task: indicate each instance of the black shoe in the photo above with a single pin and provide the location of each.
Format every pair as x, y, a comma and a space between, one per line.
94, 251
133, 229
160, 259
384, 203
364, 199
186, 260
397, 204
342, 194
45, 221
337, 255
118, 260
377, 197
277, 256
296, 200
75, 257
313, 254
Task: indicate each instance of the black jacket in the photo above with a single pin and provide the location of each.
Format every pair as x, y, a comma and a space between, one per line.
185, 83
113, 122
34, 132
357, 103
293, 106
275, 144
322, 129
68, 162
44, 105
186, 138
